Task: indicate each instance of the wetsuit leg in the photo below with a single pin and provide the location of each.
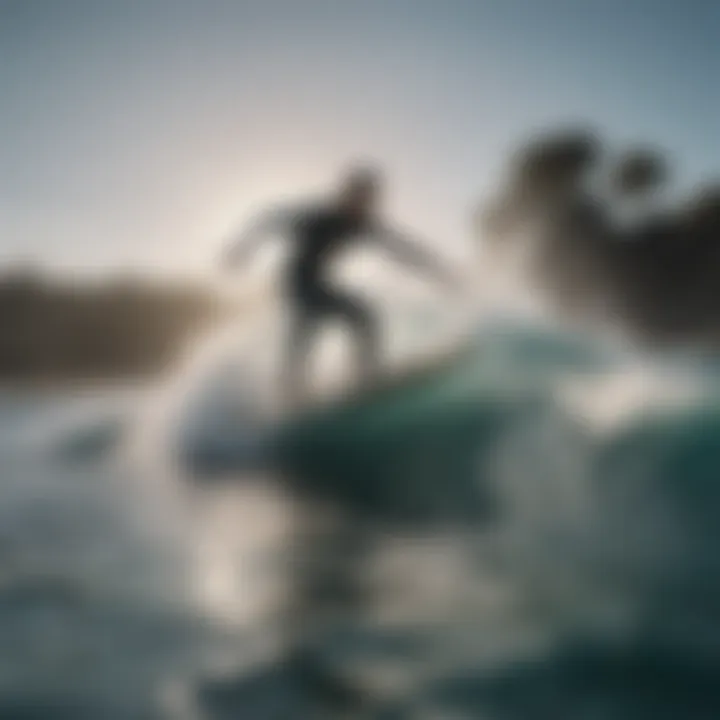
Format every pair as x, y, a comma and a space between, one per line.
303, 325
363, 324
312, 303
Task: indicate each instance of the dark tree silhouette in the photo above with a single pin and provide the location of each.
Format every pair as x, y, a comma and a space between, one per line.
640, 171
54, 330
657, 277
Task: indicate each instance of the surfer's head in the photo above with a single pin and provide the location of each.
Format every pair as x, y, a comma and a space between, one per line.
360, 189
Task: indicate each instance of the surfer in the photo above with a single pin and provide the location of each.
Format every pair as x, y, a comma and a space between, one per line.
318, 232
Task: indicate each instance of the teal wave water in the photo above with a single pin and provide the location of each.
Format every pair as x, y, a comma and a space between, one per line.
412, 449
528, 530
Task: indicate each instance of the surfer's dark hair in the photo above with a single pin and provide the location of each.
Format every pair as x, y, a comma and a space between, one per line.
363, 177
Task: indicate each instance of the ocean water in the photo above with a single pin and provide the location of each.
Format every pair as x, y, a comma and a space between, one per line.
528, 530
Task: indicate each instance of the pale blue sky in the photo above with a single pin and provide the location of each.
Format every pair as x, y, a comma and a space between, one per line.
133, 133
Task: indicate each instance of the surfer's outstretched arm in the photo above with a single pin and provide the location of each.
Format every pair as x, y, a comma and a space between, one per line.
412, 253
242, 247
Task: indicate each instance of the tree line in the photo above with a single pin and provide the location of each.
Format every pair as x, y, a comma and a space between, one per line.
56, 329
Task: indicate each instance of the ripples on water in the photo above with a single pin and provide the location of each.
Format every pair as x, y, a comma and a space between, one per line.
532, 534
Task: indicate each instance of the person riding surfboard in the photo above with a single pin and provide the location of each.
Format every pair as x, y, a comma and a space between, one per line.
318, 232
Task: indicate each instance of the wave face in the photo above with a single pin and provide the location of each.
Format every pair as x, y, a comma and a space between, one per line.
528, 529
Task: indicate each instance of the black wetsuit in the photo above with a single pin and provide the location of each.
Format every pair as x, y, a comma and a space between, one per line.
318, 235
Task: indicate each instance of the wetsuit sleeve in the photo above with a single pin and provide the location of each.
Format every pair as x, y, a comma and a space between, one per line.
409, 251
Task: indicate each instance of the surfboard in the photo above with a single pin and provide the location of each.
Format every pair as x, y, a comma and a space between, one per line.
232, 442
403, 450
414, 446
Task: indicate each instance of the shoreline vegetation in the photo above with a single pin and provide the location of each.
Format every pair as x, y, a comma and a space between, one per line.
70, 331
